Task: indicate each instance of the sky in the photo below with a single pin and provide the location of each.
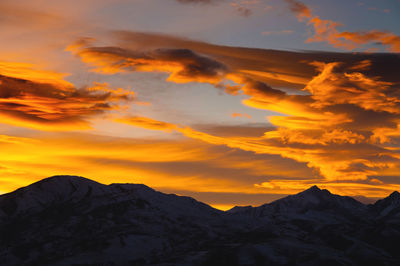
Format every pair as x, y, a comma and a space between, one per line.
232, 102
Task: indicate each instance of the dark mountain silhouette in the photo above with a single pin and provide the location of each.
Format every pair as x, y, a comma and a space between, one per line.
388, 207
69, 220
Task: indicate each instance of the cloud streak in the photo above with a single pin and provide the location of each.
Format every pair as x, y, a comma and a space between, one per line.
198, 1
242, 7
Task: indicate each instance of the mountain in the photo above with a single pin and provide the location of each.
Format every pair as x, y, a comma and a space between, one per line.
69, 220
311, 204
65, 219
388, 207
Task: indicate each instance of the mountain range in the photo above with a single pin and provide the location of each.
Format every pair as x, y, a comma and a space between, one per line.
71, 220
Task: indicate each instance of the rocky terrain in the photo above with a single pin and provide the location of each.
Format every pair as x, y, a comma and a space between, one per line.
69, 220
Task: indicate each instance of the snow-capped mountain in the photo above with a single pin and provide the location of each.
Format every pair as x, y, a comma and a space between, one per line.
311, 204
77, 220
69, 220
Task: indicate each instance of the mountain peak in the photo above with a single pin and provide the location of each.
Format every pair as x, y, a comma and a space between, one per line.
314, 188
58, 183
394, 195
51, 190
386, 206
393, 198
63, 183
64, 178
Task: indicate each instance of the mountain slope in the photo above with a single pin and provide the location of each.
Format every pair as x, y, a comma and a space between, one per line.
388, 207
67, 220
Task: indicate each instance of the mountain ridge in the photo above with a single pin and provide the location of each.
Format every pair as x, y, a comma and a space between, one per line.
312, 189
64, 220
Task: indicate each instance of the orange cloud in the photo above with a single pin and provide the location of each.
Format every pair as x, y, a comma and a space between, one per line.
240, 115
279, 69
331, 87
327, 31
335, 154
183, 65
14, 140
171, 165
26, 71
216, 164
336, 124
388, 39
43, 100
14, 15
147, 123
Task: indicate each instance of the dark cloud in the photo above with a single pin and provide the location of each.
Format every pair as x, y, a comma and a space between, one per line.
183, 64
241, 7
242, 130
194, 64
262, 90
299, 8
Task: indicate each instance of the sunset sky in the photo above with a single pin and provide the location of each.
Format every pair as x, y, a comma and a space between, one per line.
232, 102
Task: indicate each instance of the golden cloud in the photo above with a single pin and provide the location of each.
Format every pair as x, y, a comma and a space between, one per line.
147, 123
335, 154
165, 164
234, 115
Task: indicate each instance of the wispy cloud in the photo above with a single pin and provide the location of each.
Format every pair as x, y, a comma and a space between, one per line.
13, 15
300, 9
280, 32
328, 31
241, 115
199, 1
242, 7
